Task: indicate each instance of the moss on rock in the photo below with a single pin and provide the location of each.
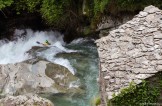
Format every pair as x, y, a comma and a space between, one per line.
146, 93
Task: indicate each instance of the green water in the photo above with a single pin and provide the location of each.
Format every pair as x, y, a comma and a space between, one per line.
86, 64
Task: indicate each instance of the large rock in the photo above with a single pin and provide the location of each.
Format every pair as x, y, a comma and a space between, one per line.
27, 77
64, 80
25, 100
34, 50
131, 53
109, 23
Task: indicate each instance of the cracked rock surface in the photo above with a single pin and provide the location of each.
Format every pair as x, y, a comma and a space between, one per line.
25, 100
132, 52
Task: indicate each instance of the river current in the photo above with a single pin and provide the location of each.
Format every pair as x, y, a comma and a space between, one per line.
79, 57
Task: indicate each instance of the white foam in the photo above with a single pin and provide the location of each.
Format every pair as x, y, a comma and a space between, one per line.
65, 63
76, 41
15, 51
51, 52
81, 40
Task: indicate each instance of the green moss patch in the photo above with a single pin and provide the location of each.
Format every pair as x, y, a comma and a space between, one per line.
145, 94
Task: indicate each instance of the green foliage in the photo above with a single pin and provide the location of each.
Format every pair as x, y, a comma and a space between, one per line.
137, 95
26, 5
133, 5
69, 13
116, 6
53, 10
96, 6
32, 4
98, 102
99, 6
5, 3
103, 5
98, 9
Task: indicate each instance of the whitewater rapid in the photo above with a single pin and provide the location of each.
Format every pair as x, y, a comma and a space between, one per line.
16, 51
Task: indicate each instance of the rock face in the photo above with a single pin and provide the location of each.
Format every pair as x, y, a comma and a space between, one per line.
108, 22
25, 77
111, 23
132, 52
25, 100
34, 76
65, 81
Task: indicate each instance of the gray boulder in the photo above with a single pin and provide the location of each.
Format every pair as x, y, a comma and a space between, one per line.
37, 77
25, 100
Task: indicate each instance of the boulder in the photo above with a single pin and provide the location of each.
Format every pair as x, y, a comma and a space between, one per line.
136, 55
65, 81
25, 100
38, 77
33, 51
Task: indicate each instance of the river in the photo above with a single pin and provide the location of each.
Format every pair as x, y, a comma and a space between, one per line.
80, 57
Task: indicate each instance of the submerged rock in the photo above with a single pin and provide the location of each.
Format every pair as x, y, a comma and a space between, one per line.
70, 55
64, 80
25, 100
33, 51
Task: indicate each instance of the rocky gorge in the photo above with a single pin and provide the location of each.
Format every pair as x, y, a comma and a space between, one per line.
59, 74
40, 77
126, 57
34, 77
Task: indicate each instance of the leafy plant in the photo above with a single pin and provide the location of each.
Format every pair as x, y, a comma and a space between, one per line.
5, 3
100, 6
26, 5
137, 95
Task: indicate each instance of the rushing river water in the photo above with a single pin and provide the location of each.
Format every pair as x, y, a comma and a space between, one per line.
86, 64
80, 57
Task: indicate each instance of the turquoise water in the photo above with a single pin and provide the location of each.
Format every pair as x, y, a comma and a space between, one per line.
85, 61
86, 64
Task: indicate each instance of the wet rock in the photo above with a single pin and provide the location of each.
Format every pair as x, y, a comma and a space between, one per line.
64, 80
22, 78
35, 49
70, 55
